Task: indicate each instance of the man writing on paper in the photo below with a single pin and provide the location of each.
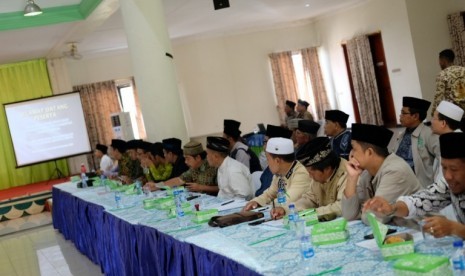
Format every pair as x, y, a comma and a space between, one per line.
449, 190
328, 173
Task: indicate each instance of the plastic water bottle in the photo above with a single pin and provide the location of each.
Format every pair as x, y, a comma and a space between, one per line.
281, 197
180, 216
306, 247
138, 187
84, 180
458, 259
118, 200
293, 216
103, 182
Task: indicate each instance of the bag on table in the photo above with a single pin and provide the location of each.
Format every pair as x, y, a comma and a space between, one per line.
233, 219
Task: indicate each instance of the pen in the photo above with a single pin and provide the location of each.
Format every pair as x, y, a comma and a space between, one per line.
227, 202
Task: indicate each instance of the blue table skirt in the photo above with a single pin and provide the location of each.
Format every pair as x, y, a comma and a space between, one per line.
121, 248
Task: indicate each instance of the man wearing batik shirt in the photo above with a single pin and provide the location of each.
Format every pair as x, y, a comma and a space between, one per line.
336, 128
450, 190
450, 83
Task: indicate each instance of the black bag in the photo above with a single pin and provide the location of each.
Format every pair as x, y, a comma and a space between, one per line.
254, 161
233, 219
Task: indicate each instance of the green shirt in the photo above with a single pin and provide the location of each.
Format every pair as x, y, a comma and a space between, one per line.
160, 173
204, 175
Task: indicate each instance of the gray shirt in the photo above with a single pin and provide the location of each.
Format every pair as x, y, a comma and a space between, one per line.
393, 179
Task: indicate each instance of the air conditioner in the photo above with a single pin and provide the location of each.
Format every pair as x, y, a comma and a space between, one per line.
122, 124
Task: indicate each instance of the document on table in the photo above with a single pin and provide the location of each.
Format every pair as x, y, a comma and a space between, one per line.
227, 204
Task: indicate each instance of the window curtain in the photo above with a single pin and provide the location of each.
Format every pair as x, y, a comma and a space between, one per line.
364, 80
314, 77
457, 34
18, 82
99, 100
285, 82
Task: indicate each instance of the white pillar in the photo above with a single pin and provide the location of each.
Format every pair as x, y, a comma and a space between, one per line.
154, 71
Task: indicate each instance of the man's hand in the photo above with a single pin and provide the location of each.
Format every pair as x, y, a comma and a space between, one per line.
151, 186
277, 213
440, 226
353, 167
194, 187
251, 205
378, 205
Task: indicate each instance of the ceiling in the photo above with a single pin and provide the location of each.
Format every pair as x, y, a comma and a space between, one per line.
101, 31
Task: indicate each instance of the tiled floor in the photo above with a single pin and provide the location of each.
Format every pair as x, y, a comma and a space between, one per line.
40, 251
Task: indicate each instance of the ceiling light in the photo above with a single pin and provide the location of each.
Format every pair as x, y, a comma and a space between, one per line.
32, 9
307, 5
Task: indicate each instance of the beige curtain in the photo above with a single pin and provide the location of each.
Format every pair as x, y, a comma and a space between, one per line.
314, 77
457, 34
99, 100
285, 82
364, 80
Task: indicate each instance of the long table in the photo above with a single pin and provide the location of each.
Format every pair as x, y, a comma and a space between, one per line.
134, 241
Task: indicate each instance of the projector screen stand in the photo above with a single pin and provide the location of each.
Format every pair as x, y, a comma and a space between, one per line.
57, 171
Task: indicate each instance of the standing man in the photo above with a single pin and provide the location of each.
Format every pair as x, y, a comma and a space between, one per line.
449, 191
290, 175
336, 128
302, 112
372, 171
417, 145
106, 163
450, 83
289, 109
234, 180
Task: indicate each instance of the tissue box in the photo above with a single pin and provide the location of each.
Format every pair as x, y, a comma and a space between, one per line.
164, 203
420, 264
309, 215
330, 232
393, 250
186, 207
204, 215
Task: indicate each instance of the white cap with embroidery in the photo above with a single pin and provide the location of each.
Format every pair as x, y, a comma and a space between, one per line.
450, 110
280, 146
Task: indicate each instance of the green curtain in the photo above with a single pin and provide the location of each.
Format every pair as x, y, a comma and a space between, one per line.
23, 81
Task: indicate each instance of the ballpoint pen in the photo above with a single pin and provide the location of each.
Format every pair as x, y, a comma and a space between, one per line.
227, 202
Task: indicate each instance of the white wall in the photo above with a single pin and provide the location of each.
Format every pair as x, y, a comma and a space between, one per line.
388, 17
90, 70
230, 77
430, 34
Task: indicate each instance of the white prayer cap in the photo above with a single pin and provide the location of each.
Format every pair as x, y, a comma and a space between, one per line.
280, 146
450, 110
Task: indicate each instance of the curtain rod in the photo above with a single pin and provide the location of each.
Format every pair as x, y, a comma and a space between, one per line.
344, 42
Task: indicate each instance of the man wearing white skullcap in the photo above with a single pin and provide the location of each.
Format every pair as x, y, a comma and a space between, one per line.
446, 118
289, 175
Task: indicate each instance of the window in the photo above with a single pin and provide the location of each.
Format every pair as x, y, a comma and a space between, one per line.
304, 90
127, 100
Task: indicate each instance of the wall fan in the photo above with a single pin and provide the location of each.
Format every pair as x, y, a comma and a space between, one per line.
73, 52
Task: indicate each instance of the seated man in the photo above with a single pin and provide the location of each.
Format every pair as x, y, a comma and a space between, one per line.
417, 145
174, 155
446, 118
305, 132
142, 151
134, 169
336, 128
267, 176
118, 153
289, 174
158, 168
450, 190
328, 179
234, 179
239, 150
289, 109
106, 163
372, 171
302, 112
201, 177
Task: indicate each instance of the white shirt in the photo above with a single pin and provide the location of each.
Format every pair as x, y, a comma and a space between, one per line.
106, 163
241, 155
234, 180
